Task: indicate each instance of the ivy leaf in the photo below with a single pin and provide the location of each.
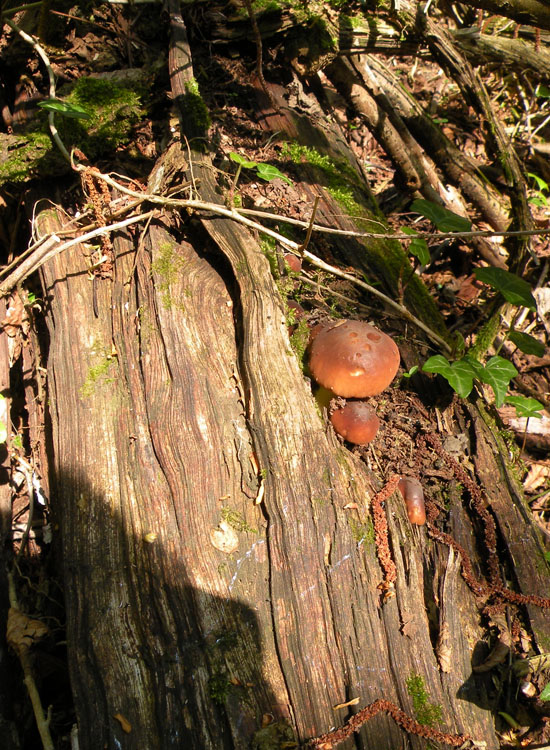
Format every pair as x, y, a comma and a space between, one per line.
512, 287
268, 172
526, 407
238, 159
460, 375
418, 247
65, 109
497, 373
444, 220
525, 342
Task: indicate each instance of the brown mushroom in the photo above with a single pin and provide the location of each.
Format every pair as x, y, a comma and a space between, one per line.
352, 358
356, 422
294, 263
413, 494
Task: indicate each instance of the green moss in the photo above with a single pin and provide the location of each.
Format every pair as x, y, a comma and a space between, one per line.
299, 340
268, 248
486, 336
97, 376
25, 157
275, 736
426, 713
236, 520
219, 687
168, 266
195, 118
225, 640
344, 197
362, 531
113, 108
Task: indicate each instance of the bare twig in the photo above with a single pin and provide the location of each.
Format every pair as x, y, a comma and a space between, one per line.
305, 243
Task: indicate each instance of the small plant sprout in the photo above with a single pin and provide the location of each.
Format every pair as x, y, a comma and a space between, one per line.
497, 371
539, 196
264, 171
411, 372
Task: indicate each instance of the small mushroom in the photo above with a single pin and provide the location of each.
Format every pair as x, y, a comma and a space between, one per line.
356, 422
413, 494
293, 262
352, 358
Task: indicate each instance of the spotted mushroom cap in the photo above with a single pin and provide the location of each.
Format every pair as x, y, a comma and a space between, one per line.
356, 422
353, 359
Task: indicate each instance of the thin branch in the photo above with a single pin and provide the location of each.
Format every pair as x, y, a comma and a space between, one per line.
49, 249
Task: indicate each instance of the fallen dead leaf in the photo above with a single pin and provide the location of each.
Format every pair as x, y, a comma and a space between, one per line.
22, 631
124, 723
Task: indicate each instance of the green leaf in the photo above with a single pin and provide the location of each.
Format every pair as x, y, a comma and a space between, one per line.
444, 220
242, 161
3, 433
411, 372
268, 172
526, 407
65, 109
543, 91
460, 375
497, 373
541, 184
545, 694
418, 247
509, 720
525, 342
512, 287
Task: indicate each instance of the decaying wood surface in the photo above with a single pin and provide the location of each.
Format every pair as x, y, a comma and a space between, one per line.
157, 405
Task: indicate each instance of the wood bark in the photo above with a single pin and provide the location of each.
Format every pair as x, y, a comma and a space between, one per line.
172, 641
157, 406
531, 12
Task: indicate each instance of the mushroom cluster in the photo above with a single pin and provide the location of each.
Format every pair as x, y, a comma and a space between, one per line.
354, 360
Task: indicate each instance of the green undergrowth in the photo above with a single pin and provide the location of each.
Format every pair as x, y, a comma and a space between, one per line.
113, 109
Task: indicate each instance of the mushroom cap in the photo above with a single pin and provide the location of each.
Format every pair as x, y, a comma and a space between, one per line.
293, 262
413, 494
356, 422
353, 358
